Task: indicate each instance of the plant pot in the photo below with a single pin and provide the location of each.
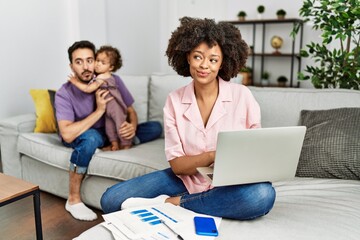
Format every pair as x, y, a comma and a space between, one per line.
246, 78
241, 18
282, 84
280, 17
264, 82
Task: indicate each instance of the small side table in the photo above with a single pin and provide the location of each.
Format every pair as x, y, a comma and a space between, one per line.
13, 189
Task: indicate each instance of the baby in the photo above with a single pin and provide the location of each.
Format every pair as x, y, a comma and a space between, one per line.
108, 60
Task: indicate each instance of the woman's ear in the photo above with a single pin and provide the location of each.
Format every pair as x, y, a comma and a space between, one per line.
188, 58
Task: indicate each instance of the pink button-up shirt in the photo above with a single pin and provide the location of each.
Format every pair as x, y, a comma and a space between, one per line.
185, 134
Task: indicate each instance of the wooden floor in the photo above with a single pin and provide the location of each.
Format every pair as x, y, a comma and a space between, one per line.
17, 220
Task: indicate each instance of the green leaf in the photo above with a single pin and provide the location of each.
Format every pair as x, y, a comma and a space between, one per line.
304, 53
338, 21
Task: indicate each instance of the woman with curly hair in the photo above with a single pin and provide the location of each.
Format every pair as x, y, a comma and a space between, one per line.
211, 53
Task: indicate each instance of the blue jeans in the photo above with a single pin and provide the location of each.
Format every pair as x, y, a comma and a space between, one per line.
147, 131
86, 144
240, 202
84, 147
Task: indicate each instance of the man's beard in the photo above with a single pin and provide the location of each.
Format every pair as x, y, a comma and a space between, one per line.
81, 79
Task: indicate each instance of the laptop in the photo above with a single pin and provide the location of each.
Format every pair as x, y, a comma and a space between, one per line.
255, 155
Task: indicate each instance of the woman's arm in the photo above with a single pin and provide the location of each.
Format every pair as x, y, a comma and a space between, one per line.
180, 162
186, 165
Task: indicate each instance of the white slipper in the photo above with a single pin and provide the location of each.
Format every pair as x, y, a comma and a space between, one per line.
80, 211
141, 202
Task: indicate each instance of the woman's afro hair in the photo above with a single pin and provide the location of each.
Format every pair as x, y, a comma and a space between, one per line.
193, 31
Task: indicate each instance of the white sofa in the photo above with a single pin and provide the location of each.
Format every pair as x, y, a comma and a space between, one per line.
305, 208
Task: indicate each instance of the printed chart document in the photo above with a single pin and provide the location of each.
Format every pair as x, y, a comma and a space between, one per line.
146, 223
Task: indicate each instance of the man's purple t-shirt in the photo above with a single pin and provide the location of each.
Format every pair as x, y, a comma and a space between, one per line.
74, 105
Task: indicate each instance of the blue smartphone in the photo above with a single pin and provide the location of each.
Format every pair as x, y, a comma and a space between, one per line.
205, 226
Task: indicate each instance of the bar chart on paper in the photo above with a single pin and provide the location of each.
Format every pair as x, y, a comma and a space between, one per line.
160, 222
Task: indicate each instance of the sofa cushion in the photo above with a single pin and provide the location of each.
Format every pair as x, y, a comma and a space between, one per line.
282, 106
331, 146
160, 87
130, 163
46, 148
120, 165
44, 109
138, 87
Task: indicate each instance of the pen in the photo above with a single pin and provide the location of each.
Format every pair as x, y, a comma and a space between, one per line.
172, 230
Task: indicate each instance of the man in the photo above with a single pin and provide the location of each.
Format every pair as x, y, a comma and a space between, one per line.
81, 124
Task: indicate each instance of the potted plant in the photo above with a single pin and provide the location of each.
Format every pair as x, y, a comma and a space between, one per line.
251, 49
281, 14
282, 81
337, 57
265, 78
242, 15
261, 10
245, 75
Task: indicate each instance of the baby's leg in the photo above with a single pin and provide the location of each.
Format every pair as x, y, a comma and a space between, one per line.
115, 146
126, 146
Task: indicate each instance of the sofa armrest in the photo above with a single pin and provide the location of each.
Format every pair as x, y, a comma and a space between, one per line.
10, 129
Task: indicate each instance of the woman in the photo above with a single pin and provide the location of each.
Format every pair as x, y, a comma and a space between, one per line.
193, 115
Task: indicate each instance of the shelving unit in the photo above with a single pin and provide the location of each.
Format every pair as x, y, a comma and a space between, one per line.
264, 56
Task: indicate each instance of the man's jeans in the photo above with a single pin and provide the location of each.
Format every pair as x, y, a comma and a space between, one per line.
86, 144
84, 148
147, 131
240, 202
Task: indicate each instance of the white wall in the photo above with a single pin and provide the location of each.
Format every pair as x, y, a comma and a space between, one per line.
33, 50
35, 35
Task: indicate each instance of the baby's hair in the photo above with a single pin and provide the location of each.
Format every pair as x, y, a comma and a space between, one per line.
113, 54
193, 31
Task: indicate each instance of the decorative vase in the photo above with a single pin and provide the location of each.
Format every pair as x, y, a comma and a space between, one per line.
282, 84
245, 78
276, 42
264, 82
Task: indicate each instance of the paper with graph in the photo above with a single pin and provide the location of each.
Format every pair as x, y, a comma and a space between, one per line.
145, 223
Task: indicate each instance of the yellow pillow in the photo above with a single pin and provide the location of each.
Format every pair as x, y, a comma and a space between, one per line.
45, 117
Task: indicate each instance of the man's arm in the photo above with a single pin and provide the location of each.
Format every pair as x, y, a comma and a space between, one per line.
128, 128
71, 130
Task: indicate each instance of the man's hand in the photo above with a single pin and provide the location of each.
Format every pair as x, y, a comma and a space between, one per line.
127, 130
101, 99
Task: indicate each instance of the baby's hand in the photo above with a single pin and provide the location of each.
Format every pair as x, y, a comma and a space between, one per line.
72, 79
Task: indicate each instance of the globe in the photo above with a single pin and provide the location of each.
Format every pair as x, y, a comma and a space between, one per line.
276, 42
